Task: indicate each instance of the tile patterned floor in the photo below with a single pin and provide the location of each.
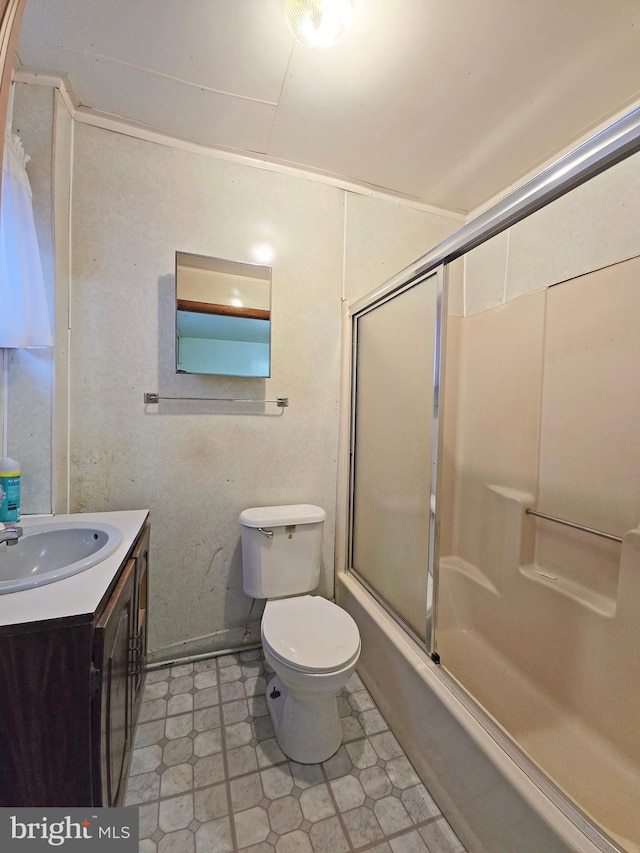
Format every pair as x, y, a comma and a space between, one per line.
208, 776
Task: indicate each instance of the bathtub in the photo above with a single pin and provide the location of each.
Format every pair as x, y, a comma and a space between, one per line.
492, 804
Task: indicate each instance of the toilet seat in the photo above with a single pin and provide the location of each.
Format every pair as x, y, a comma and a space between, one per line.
310, 634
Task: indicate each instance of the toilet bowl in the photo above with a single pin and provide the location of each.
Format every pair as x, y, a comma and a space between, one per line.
311, 644
313, 647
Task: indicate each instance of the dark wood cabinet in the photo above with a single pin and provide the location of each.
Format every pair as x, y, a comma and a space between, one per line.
69, 697
113, 640
141, 600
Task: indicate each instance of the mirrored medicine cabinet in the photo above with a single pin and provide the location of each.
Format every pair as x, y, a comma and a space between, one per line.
223, 317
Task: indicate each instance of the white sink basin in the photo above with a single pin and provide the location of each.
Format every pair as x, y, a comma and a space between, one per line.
46, 553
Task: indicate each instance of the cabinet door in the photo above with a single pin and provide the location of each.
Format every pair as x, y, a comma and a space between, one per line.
141, 556
112, 658
45, 720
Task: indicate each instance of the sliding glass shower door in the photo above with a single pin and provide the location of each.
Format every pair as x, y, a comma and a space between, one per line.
396, 355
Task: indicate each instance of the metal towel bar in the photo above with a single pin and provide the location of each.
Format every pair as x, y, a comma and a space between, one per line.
281, 402
574, 525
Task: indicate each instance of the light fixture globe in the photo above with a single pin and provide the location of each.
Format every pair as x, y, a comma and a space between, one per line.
318, 23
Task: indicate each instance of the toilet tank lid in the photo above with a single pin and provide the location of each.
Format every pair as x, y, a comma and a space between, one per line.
280, 516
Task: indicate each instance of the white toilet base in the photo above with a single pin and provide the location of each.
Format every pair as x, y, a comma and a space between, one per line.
307, 732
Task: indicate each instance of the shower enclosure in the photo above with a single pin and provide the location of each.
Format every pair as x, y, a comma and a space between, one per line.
393, 418
495, 477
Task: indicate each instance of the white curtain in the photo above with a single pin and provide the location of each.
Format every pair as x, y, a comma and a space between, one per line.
24, 315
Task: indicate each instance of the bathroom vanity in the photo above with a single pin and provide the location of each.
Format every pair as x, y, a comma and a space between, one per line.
72, 659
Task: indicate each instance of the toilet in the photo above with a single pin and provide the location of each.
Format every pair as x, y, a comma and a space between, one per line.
311, 644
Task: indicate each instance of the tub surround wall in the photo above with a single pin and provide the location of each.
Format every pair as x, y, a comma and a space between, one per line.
499, 360
537, 621
590, 228
591, 405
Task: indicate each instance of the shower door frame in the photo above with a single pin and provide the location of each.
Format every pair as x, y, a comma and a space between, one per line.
359, 310
605, 149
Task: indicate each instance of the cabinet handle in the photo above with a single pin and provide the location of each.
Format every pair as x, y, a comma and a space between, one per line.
95, 678
136, 657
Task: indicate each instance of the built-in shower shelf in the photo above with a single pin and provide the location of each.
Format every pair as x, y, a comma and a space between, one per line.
469, 570
602, 604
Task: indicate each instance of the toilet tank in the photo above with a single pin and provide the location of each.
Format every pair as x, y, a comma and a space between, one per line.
281, 547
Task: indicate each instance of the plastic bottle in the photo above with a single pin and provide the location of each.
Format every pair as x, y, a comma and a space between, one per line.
9, 489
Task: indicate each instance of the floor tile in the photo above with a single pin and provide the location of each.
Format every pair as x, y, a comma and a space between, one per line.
316, 803
208, 775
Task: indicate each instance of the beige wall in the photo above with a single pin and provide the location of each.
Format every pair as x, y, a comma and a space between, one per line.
198, 465
63, 168
28, 404
383, 238
130, 205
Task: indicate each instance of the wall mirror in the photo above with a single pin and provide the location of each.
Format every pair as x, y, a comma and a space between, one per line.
223, 316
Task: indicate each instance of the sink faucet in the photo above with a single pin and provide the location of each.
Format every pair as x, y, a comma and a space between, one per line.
10, 533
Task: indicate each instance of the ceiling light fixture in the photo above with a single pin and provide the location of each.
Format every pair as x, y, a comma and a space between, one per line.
318, 23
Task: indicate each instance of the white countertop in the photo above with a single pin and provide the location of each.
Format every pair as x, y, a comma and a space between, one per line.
79, 594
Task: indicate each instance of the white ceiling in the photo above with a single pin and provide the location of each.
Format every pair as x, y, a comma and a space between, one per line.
442, 101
